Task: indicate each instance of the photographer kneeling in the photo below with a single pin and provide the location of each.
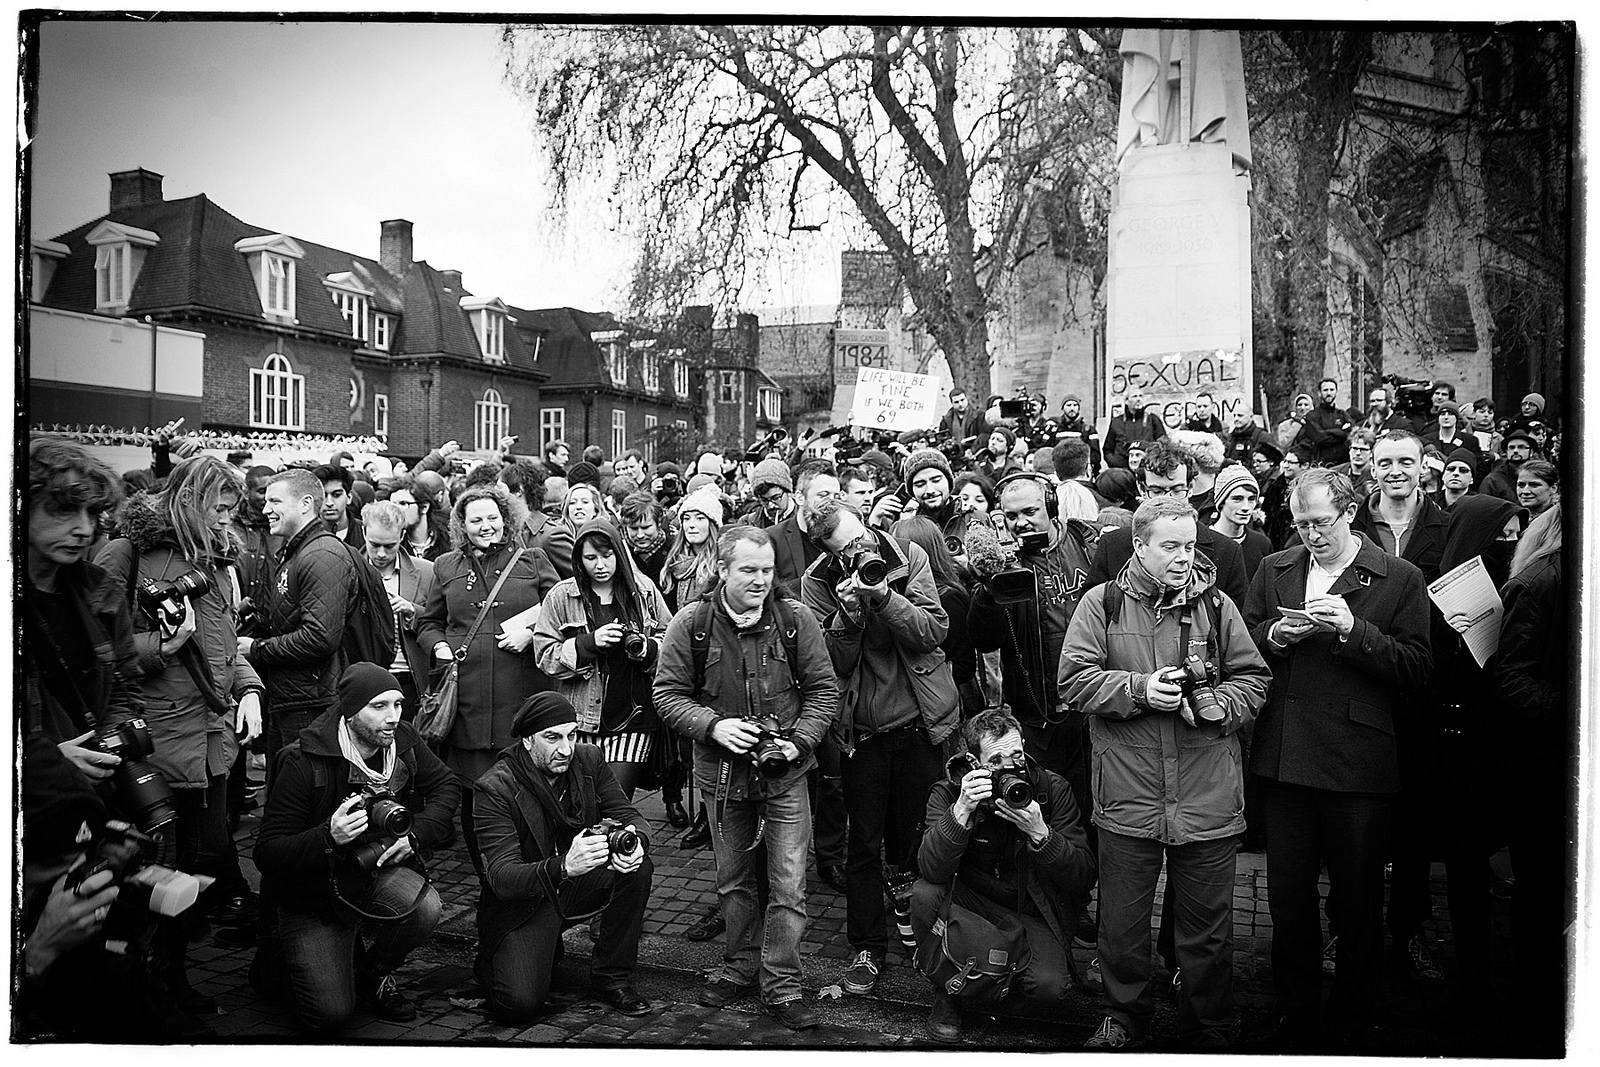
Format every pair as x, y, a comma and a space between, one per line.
352, 803
1161, 664
560, 842
1004, 840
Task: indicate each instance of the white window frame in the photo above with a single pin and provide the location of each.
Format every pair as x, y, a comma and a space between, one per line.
552, 425
617, 363
619, 431
380, 414
119, 254
488, 317
381, 330
650, 371
680, 377
649, 439
272, 265
727, 387
353, 307
769, 404
277, 395
491, 420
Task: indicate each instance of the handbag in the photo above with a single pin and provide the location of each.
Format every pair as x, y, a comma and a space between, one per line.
437, 713
967, 955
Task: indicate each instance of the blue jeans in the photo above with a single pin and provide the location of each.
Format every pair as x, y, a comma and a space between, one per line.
787, 809
319, 958
1203, 874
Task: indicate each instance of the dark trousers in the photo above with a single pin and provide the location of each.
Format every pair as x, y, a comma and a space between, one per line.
1413, 838
1048, 975
1200, 875
205, 846
518, 973
1064, 747
828, 818
1543, 901
410, 700
1349, 831
886, 784
282, 729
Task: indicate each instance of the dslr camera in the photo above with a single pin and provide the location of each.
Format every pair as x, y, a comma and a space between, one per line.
635, 643
139, 786
388, 820
163, 604
1009, 784
144, 888
619, 839
1198, 679
767, 754
866, 563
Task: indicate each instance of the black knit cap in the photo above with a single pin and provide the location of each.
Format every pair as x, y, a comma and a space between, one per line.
540, 712
359, 683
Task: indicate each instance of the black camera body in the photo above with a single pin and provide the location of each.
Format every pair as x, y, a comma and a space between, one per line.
143, 888
1198, 679
388, 820
767, 754
867, 563
620, 840
635, 643
1032, 543
139, 786
163, 604
1009, 784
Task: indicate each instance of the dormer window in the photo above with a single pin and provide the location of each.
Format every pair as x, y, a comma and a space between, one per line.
489, 323
382, 330
769, 404
352, 300
680, 377
118, 256
272, 260
611, 343
47, 256
649, 364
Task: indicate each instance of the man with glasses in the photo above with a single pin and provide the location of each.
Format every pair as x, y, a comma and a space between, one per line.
408, 580
1359, 469
1520, 447
1344, 627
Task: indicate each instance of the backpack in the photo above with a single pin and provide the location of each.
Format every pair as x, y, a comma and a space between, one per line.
369, 633
1211, 600
700, 639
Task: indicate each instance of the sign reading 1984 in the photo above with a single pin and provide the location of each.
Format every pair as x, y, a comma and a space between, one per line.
860, 348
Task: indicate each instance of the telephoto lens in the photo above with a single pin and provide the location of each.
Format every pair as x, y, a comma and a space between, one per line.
139, 786
1013, 787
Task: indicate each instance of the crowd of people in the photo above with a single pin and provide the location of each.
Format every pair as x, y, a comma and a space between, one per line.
990, 679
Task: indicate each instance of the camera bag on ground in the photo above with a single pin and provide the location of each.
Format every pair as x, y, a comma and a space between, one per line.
967, 955
437, 711
369, 635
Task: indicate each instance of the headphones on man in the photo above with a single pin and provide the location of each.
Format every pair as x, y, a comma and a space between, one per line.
1044, 482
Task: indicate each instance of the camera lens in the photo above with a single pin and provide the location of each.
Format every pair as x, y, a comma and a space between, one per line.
367, 853
388, 816
622, 842
1013, 788
634, 644
146, 794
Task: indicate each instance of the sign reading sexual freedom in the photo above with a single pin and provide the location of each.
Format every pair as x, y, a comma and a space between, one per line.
1171, 381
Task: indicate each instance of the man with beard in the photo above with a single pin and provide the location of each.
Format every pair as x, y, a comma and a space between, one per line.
929, 481
1072, 425
814, 483
1520, 446
1135, 424
1381, 415
1327, 428
962, 420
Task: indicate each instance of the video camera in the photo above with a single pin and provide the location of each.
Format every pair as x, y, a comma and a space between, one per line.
997, 562
1412, 396
139, 786
1010, 783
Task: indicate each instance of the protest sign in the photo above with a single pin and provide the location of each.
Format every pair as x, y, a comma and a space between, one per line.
894, 400
1170, 382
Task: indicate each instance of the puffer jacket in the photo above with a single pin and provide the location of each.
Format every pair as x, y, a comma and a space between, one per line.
1155, 776
571, 663
305, 614
746, 673
192, 742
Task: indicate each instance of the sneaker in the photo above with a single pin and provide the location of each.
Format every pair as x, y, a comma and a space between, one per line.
862, 976
796, 1014
944, 1021
1330, 955
720, 992
709, 925
388, 1002
1088, 932
1420, 963
1112, 1035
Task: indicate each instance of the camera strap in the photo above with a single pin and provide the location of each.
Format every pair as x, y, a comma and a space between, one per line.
355, 909
725, 771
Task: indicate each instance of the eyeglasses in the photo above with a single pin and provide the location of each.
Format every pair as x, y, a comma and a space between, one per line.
1319, 525
1167, 490
774, 496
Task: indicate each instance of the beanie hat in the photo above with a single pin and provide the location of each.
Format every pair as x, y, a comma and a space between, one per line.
540, 712
925, 458
583, 471
708, 463
769, 473
1011, 438
706, 500
1232, 477
1451, 406
1536, 399
701, 479
666, 467
1462, 455
359, 683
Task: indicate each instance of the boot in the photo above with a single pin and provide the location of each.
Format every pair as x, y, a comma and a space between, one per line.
699, 834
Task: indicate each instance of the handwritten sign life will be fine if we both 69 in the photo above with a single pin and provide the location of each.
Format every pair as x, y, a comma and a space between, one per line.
894, 400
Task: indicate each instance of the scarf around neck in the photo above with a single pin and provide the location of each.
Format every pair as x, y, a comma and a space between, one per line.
352, 754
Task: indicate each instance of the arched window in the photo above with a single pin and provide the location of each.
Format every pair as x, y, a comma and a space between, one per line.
492, 422
277, 395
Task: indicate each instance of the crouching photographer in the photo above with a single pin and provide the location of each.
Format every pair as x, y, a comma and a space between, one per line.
355, 802
560, 842
1005, 870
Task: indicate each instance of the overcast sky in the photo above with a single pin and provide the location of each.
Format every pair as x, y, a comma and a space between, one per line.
322, 130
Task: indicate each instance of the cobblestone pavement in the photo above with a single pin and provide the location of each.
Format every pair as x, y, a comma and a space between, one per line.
439, 978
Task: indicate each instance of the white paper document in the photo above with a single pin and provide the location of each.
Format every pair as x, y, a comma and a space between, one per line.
1468, 590
522, 620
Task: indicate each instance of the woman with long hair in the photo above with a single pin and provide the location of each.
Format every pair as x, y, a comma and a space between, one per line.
1538, 486
690, 569
953, 594
202, 699
497, 671
597, 639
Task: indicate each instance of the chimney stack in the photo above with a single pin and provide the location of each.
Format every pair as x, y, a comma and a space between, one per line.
452, 278
130, 188
394, 247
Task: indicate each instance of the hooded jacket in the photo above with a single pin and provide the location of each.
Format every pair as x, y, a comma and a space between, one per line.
563, 641
1154, 775
192, 742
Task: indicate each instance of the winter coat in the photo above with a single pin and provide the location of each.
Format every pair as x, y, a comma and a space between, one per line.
792, 551
294, 847
746, 674
416, 585
1501, 481
111, 689
1533, 667
1240, 445
492, 682
305, 614
1153, 775
1124, 431
1423, 546
1329, 721
1115, 549
518, 841
1327, 433
910, 625
1029, 635
192, 742
565, 650
1056, 876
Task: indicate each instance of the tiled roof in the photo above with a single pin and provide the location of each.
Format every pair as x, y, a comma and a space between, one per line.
567, 353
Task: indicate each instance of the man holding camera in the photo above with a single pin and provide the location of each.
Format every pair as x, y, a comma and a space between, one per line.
1003, 839
755, 683
560, 843
353, 803
1165, 671
898, 704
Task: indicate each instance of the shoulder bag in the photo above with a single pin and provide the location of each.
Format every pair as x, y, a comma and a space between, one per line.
437, 713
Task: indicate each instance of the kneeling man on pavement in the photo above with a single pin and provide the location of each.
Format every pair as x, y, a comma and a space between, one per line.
560, 843
1029, 864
